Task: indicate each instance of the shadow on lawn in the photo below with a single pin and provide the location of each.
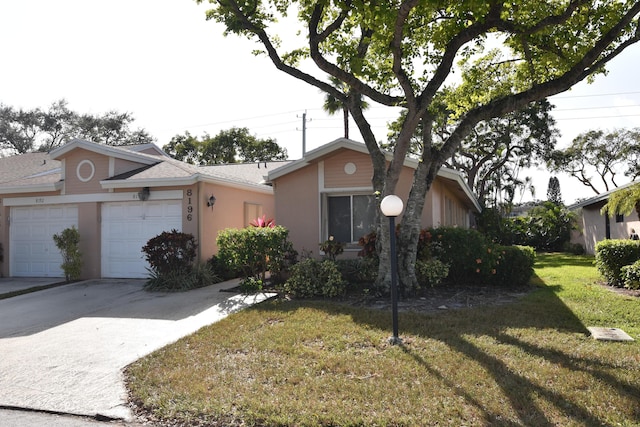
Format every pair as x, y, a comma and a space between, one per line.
542, 310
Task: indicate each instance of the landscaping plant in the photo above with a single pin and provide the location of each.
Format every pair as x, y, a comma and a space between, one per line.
68, 242
172, 258
252, 251
612, 255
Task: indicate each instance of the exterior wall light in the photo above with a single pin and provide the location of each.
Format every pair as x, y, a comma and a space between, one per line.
144, 194
211, 201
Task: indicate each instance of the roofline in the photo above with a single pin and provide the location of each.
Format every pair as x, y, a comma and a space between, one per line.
600, 197
189, 180
457, 176
103, 149
362, 148
38, 188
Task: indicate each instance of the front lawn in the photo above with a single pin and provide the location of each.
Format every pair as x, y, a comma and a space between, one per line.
529, 363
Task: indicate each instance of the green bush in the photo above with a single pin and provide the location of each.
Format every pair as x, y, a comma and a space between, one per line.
313, 278
514, 266
250, 285
171, 252
253, 251
573, 248
631, 275
68, 242
431, 272
612, 255
197, 276
223, 267
470, 256
359, 273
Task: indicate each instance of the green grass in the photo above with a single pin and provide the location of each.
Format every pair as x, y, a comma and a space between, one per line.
530, 363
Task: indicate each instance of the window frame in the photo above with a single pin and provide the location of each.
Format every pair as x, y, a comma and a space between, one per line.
325, 213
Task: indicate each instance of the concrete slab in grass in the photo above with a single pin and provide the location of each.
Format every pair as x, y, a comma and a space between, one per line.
609, 334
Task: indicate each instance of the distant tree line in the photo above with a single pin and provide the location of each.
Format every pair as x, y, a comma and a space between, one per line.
22, 131
235, 145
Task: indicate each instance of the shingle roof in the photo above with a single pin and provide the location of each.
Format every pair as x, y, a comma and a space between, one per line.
29, 172
27, 165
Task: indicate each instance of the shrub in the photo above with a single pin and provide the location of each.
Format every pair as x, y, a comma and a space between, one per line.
171, 252
573, 248
612, 255
514, 266
368, 243
223, 267
331, 248
431, 272
630, 275
313, 278
358, 271
197, 276
253, 251
471, 258
68, 241
250, 285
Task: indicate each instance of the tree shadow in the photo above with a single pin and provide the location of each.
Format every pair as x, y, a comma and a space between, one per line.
542, 310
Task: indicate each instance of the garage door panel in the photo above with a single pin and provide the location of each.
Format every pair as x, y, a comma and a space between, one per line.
127, 227
33, 251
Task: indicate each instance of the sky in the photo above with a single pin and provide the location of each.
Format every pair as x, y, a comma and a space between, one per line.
161, 61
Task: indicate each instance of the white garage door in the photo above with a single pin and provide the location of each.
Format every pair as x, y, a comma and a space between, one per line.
33, 252
126, 228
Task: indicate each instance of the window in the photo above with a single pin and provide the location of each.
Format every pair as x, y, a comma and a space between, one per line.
619, 218
252, 211
350, 217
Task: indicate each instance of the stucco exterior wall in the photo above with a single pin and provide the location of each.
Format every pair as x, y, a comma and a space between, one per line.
229, 211
347, 169
84, 165
122, 166
594, 227
297, 207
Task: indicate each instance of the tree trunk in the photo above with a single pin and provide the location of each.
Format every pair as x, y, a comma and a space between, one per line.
411, 226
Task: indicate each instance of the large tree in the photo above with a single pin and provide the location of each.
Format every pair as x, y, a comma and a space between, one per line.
228, 146
597, 158
22, 130
415, 54
493, 155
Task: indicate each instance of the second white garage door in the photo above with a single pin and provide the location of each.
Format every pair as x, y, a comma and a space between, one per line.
127, 227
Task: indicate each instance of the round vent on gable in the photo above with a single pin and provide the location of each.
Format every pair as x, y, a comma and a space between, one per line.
350, 168
85, 170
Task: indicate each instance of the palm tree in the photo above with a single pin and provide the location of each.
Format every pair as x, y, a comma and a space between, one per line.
332, 104
623, 201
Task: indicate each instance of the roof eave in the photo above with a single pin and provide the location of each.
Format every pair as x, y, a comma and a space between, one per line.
39, 188
190, 180
101, 149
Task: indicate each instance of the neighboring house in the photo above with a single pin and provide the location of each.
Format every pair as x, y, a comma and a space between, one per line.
596, 227
118, 198
329, 193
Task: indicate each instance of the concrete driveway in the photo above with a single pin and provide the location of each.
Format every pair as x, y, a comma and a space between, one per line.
63, 349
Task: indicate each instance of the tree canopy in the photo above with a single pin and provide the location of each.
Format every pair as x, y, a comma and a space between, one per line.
22, 130
492, 156
479, 59
235, 145
597, 158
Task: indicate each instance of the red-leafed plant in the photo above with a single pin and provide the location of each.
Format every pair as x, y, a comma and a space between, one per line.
263, 222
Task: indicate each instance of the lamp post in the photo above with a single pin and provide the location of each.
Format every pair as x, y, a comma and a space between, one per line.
391, 206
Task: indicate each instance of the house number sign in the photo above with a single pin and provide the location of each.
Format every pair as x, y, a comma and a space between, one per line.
189, 205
